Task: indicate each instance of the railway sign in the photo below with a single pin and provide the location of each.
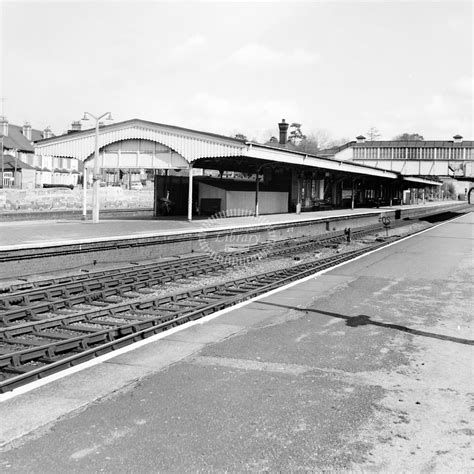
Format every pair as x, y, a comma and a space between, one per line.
385, 220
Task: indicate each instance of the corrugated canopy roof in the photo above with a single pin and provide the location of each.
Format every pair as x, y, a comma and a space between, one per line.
196, 146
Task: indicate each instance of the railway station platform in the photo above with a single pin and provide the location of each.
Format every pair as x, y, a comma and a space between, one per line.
365, 367
41, 233
32, 247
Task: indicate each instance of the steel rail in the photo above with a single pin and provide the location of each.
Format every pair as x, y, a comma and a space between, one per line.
108, 338
46, 291
165, 312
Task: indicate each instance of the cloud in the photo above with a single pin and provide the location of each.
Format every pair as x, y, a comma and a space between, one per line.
234, 115
259, 54
192, 44
463, 86
451, 110
438, 116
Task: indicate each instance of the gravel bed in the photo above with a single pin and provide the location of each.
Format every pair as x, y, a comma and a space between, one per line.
12, 347
61, 332
117, 319
24, 338
85, 324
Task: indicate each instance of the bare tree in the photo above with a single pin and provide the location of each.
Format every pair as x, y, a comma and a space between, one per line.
373, 133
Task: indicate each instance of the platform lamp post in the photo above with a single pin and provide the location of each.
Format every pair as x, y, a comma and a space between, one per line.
95, 176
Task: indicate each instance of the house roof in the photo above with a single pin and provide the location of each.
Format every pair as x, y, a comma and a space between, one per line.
9, 163
16, 140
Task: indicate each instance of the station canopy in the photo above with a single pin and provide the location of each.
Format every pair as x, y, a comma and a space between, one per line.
142, 144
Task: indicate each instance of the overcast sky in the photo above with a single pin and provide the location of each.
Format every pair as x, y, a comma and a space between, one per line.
243, 66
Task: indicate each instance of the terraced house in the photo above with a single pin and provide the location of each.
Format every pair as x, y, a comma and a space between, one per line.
22, 169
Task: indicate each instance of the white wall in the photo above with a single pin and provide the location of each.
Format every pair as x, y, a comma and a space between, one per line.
212, 192
269, 202
243, 202
346, 154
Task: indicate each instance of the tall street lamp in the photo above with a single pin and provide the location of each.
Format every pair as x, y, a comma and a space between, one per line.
95, 176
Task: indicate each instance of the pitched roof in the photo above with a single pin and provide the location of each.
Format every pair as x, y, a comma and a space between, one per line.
10, 164
16, 140
118, 125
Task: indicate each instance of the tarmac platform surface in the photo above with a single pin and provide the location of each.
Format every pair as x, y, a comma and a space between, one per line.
367, 366
39, 233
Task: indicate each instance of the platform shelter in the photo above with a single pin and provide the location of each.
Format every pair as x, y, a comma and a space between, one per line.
178, 155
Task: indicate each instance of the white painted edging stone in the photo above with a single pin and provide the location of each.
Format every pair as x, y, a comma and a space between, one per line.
156, 337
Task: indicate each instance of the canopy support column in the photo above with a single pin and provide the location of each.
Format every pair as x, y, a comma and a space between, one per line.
190, 193
84, 193
257, 185
352, 196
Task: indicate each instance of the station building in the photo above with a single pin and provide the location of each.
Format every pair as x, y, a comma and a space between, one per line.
189, 169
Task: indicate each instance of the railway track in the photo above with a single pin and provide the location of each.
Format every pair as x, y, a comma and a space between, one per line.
30, 299
36, 349
44, 329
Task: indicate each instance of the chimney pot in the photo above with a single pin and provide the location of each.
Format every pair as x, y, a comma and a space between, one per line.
4, 126
360, 139
47, 133
76, 126
27, 131
283, 126
457, 139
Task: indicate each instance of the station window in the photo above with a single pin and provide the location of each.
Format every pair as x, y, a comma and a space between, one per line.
457, 154
427, 153
371, 153
442, 153
469, 154
385, 153
412, 153
359, 153
399, 153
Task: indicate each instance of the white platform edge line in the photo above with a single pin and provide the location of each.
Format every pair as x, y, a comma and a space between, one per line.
167, 233
136, 345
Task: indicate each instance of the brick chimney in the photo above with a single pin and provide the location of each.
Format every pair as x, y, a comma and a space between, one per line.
47, 133
76, 126
457, 139
27, 131
283, 126
360, 139
4, 126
